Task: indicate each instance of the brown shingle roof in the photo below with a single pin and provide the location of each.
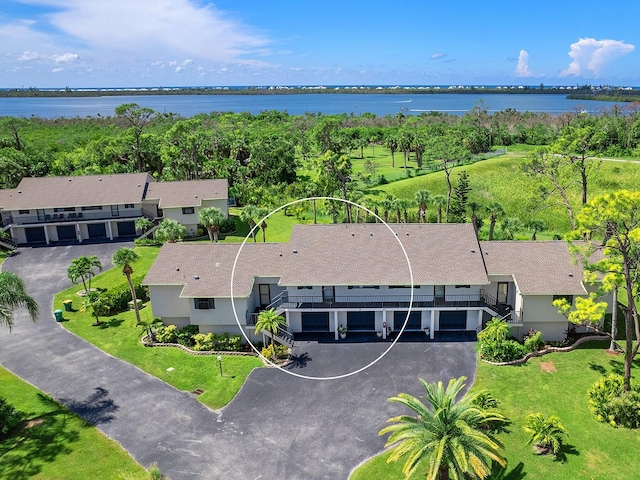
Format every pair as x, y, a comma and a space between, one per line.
327, 255
49, 192
5, 196
539, 268
187, 193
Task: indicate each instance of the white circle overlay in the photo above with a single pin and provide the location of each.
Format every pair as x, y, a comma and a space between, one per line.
309, 377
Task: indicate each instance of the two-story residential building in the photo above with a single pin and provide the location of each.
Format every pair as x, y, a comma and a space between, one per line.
101, 207
360, 276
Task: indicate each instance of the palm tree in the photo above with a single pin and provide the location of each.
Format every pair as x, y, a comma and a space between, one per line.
386, 204
404, 204
12, 296
397, 204
452, 439
211, 218
143, 224
170, 230
512, 225
475, 208
124, 257
535, 226
421, 197
496, 330
270, 321
356, 197
82, 268
545, 433
439, 201
494, 209
262, 213
248, 214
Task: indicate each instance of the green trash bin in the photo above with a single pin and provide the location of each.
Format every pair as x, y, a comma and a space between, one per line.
58, 315
68, 305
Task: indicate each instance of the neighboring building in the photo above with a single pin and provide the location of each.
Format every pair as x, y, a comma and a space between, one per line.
357, 275
99, 207
182, 201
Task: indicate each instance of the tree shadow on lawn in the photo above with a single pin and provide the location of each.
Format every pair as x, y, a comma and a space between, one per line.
112, 322
500, 473
597, 368
40, 440
617, 366
566, 449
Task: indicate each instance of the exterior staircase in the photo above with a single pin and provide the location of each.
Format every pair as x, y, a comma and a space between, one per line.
283, 336
9, 243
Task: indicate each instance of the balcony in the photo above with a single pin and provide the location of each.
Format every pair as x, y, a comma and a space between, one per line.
73, 217
287, 302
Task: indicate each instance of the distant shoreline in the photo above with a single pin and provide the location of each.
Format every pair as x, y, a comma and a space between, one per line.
585, 92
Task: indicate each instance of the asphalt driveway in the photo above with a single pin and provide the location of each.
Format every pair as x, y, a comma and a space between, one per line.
278, 427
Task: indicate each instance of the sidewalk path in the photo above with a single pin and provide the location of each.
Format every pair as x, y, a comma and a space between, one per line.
278, 427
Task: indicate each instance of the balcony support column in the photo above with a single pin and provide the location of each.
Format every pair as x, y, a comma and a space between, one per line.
433, 324
335, 324
480, 312
384, 324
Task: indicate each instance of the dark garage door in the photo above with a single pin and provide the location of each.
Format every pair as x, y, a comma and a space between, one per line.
361, 321
315, 322
126, 229
414, 322
35, 235
97, 230
453, 320
66, 232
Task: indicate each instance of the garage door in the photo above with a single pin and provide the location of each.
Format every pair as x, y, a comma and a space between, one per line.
315, 322
414, 322
453, 320
66, 232
35, 235
97, 230
361, 321
126, 229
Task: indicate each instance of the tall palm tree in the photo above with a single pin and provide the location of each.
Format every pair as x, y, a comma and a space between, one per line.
494, 209
262, 213
269, 320
404, 204
12, 296
451, 439
124, 257
386, 204
143, 224
211, 218
83, 268
439, 201
421, 197
356, 196
249, 214
397, 204
475, 208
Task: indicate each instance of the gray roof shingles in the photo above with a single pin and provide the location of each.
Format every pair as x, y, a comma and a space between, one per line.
187, 193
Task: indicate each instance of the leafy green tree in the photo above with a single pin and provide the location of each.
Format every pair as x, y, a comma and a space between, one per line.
611, 258
12, 296
511, 226
250, 214
356, 196
391, 142
138, 118
494, 209
535, 226
170, 230
143, 224
93, 301
211, 218
546, 433
451, 438
475, 207
262, 213
333, 174
124, 257
440, 202
270, 321
82, 268
460, 200
495, 330
421, 197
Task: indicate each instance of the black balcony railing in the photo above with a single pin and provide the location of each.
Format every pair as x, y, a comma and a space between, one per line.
74, 216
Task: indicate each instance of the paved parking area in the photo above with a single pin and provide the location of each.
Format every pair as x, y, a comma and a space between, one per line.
278, 426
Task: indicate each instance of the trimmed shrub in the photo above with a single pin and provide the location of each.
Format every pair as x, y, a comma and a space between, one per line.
610, 404
227, 226
167, 334
281, 351
203, 341
10, 418
503, 351
116, 299
533, 341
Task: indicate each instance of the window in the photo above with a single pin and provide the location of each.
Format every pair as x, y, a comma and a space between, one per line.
92, 207
403, 286
64, 209
23, 212
204, 303
352, 287
129, 205
569, 298
305, 288
188, 210
463, 286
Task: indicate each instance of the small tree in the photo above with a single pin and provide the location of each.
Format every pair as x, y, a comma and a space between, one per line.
143, 224
170, 230
93, 301
262, 213
511, 226
211, 218
12, 296
124, 257
421, 197
270, 321
546, 433
439, 201
249, 214
83, 268
535, 226
494, 209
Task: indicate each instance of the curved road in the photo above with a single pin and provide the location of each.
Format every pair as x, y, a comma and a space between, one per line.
278, 426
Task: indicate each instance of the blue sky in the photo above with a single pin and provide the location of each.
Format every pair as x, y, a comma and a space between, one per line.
91, 43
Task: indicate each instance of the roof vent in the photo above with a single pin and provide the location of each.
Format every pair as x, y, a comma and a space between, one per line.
370, 234
353, 234
295, 251
473, 251
196, 277
280, 254
138, 185
69, 179
218, 264
571, 275
177, 269
407, 234
100, 179
196, 196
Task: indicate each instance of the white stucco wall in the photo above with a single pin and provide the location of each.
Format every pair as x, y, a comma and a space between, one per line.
222, 314
166, 301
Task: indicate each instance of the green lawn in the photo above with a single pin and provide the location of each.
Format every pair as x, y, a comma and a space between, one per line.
55, 443
593, 450
119, 337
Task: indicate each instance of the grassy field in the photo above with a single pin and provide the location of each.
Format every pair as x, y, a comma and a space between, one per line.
554, 384
56, 444
119, 336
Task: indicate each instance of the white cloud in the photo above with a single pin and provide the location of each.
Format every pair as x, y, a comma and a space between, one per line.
593, 55
56, 58
436, 56
522, 69
57, 70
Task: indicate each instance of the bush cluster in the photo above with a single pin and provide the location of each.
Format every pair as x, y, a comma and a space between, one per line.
610, 404
227, 226
281, 351
494, 345
116, 299
190, 336
10, 418
147, 242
